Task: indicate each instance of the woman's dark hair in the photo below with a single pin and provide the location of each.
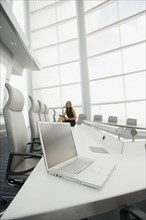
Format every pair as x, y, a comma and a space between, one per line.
68, 102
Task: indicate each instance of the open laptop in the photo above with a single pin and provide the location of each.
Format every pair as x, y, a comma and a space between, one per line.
62, 160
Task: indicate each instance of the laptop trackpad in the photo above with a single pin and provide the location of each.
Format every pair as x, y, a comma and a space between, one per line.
95, 174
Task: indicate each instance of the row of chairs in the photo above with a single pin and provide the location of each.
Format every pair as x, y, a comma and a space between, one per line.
38, 112
111, 119
23, 155
114, 120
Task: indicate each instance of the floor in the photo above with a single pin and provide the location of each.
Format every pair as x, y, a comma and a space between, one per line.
7, 192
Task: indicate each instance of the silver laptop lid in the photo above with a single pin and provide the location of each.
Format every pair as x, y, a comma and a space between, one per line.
57, 142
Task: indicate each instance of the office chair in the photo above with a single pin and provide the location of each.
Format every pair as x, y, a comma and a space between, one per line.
54, 115
20, 162
34, 118
81, 118
47, 113
113, 119
132, 213
97, 118
41, 111
131, 121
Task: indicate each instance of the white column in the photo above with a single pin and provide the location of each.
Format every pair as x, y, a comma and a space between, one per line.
27, 28
83, 59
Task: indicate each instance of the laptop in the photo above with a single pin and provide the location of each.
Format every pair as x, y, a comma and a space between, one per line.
62, 160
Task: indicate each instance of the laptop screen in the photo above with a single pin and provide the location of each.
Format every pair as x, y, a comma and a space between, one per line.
57, 142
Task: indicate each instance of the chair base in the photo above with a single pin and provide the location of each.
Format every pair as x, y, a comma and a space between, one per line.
15, 183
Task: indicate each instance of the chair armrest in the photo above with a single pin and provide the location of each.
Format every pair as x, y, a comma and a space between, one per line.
135, 212
32, 143
27, 155
20, 172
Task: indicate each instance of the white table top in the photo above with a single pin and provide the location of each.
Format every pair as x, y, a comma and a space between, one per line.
47, 197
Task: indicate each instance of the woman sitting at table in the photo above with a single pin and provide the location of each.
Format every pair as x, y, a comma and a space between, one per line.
68, 114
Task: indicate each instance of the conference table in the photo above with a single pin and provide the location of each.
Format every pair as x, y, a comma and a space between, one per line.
125, 130
44, 196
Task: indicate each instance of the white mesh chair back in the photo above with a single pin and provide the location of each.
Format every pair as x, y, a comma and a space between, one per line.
97, 118
113, 119
41, 111
131, 121
34, 117
20, 162
15, 123
47, 113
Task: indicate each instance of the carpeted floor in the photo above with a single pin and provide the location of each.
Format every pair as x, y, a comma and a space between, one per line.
7, 192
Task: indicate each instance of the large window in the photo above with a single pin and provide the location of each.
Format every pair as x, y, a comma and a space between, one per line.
54, 39
115, 36
115, 41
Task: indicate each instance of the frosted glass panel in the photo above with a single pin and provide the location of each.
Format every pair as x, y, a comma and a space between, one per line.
44, 37
66, 10
128, 8
137, 110
72, 93
47, 96
46, 77
108, 90
88, 4
38, 4
135, 85
68, 51
43, 18
134, 58
104, 41
67, 30
70, 73
133, 31
97, 19
105, 65
48, 56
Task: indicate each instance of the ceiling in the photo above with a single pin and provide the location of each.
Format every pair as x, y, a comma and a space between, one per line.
14, 39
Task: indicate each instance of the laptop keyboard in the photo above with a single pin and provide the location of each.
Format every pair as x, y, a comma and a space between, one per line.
75, 166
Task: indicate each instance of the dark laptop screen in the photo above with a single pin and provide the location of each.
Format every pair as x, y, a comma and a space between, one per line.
57, 142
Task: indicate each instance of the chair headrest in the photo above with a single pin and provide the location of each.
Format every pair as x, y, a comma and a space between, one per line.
34, 105
16, 98
41, 107
46, 109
